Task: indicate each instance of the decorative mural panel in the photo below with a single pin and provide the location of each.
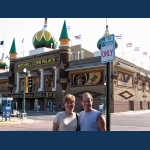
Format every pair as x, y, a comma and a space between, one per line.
4, 86
126, 95
48, 82
147, 88
125, 79
35, 84
139, 84
84, 79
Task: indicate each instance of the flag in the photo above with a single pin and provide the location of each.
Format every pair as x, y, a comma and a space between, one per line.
144, 53
22, 40
129, 44
6, 57
136, 48
118, 36
68, 27
1, 42
77, 37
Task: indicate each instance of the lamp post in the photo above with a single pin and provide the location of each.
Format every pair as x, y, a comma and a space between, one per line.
105, 98
23, 115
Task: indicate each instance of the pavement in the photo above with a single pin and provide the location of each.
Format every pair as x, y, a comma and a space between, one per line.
16, 120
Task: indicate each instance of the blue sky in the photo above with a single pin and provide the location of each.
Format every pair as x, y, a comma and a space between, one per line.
135, 30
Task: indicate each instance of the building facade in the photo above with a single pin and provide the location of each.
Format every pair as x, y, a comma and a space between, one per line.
53, 73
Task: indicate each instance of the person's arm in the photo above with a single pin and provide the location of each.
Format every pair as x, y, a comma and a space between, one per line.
55, 127
101, 123
56, 122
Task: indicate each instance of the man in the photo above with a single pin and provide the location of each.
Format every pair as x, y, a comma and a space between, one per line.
90, 119
101, 107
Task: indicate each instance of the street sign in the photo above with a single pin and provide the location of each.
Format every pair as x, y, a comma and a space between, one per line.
108, 48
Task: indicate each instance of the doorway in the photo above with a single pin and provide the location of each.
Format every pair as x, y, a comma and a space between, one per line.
131, 105
50, 105
148, 105
141, 105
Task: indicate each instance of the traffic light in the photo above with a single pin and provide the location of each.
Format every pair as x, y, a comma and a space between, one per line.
30, 84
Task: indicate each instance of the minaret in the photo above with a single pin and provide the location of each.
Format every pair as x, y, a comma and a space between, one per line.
13, 55
64, 56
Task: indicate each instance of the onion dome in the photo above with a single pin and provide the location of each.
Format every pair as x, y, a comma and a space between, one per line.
3, 65
44, 38
105, 34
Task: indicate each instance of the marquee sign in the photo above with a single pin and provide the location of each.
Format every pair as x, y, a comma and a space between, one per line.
34, 95
37, 62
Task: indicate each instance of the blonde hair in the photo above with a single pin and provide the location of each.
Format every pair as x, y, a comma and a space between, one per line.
87, 94
68, 98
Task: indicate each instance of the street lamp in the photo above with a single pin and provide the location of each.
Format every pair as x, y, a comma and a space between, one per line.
23, 115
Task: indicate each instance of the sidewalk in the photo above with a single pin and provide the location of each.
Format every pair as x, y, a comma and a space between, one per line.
15, 120
117, 113
131, 112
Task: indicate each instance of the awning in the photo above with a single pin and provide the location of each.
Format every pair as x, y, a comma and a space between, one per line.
126, 67
33, 74
3, 77
48, 72
141, 74
148, 75
85, 66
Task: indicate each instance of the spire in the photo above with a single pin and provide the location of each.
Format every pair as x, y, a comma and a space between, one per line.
45, 23
13, 47
64, 32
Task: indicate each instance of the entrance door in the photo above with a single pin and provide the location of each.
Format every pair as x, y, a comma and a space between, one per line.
35, 104
50, 105
14, 106
148, 105
131, 105
141, 106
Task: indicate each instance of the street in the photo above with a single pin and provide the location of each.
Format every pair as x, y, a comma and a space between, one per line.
119, 122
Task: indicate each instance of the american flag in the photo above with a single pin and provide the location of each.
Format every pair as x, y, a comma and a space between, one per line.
22, 40
6, 57
77, 37
118, 36
136, 48
129, 44
144, 53
68, 27
1, 42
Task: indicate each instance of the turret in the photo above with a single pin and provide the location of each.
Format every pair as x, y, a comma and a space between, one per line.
64, 56
13, 53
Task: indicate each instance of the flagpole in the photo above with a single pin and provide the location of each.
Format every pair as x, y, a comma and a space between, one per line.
122, 46
3, 45
23, 46
81, 47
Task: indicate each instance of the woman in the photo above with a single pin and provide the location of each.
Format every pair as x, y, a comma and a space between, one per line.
66, 120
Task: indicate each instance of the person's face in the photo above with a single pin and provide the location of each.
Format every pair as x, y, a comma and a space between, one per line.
69, 106
87, 103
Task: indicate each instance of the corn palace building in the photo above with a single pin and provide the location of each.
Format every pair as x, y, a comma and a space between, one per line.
54, 72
